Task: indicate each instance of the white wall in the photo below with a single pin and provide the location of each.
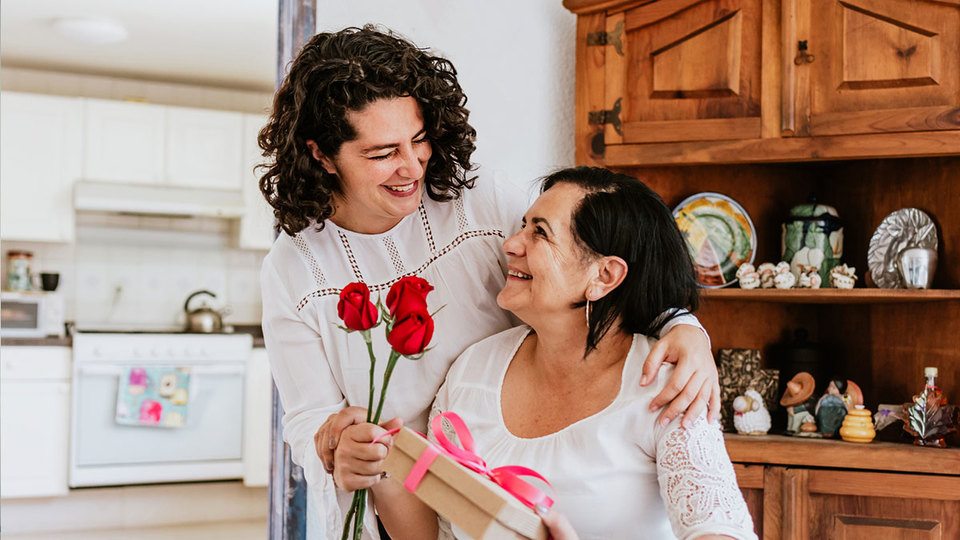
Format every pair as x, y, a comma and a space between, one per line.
515, 60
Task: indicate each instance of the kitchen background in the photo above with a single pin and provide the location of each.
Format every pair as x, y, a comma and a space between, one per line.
129, 272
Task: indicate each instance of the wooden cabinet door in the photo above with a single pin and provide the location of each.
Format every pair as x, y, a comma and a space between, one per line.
878, 66
866, 506
684, 70
204, 148
124, 142
41, 146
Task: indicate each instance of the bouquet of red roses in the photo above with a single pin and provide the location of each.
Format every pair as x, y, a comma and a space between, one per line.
409, 328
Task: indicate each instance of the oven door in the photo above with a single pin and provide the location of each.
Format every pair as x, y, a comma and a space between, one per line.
207, 446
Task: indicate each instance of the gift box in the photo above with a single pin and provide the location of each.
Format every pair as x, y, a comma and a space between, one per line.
472, 502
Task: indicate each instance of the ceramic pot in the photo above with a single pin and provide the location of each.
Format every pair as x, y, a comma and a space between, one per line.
858, 426
812, 236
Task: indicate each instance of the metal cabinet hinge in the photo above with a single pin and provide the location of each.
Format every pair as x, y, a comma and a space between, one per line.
608, 38
611, 116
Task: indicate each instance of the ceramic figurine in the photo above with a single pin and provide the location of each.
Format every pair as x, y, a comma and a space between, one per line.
857, 426
832, 407
767, 272
750, 416
809, 278
748, 276
784, 280
739, 370
800, 420
843, 277
812, 236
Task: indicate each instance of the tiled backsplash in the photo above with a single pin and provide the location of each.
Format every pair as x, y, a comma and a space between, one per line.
138, 270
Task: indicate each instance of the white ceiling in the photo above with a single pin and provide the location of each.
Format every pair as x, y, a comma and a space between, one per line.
229, 43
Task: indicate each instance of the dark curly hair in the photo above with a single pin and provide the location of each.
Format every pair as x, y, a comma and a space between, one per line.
344, 71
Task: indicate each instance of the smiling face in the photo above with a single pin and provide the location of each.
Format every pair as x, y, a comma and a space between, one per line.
548, 270
382, 170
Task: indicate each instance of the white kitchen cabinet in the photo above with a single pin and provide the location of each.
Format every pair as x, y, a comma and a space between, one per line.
256, 225
204, 148
257, 410
124, 141
34, 421
40, 141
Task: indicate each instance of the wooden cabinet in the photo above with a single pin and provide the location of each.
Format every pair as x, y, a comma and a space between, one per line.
34, 421
730, 81
877, 79
42, 141
790, 499
877, 66
256, 225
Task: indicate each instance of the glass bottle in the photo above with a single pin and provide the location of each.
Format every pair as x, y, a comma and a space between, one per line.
930, 386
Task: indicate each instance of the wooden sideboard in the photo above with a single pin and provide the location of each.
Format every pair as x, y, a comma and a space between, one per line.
768, 101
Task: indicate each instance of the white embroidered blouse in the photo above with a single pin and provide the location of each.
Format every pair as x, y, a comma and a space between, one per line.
617, 473
320, 369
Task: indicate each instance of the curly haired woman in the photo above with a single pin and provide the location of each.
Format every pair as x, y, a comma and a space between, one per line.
363, 126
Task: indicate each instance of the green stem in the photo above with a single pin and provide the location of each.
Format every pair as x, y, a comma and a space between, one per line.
350, 517
361, 510
394, 356
373, 365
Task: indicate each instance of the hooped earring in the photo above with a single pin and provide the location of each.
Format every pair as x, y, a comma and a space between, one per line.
588, 313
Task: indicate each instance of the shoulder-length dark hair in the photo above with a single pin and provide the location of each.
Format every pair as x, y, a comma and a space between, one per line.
344, 71
623, 217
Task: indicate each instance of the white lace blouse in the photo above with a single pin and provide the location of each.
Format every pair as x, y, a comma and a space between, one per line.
617, 473
320, 369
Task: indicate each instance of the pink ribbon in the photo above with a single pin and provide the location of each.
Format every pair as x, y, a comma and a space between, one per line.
507, 477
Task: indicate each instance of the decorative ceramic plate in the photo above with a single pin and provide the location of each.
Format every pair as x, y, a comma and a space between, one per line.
719, 234
905, 228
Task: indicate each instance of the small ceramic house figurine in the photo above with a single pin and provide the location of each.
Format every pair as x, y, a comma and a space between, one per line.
800, 420
843, 277
748, 276
750, 416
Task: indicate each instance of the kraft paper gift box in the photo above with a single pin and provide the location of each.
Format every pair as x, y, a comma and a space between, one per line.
473, 503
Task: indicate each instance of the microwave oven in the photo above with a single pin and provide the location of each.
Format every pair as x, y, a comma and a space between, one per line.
31, 314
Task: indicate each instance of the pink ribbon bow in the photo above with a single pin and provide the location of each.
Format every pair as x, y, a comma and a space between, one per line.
507, 477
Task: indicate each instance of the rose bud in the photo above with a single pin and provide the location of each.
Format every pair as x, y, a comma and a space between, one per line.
411, 332
408, 294
355, 309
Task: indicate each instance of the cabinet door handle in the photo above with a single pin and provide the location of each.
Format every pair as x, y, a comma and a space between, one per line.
803, 57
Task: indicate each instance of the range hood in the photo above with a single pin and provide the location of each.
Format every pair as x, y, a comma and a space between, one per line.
153, 199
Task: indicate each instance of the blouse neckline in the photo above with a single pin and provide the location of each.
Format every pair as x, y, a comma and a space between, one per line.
568, 427
374, 236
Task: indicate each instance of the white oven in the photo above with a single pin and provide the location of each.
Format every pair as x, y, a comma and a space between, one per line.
205, 444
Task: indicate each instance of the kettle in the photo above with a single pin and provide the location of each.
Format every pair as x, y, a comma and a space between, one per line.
204, 319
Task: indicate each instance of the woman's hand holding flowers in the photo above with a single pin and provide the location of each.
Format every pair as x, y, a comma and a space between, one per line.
358, 460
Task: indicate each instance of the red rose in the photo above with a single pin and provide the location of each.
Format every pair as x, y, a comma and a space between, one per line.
355, 309
411, 332
408, 294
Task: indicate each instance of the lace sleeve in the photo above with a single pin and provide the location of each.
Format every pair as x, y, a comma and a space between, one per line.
698, 485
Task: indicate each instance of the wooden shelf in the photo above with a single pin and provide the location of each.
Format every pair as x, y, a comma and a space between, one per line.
836, 453
831, 296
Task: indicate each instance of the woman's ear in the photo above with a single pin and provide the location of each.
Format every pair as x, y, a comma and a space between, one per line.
611, 271
325, 162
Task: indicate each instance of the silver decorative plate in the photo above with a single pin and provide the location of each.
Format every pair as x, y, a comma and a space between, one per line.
905, 228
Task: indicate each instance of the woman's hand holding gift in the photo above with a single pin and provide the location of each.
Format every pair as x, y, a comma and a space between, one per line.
358, 460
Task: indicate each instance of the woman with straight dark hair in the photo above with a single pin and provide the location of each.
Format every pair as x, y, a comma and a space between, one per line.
370, 179
597, 262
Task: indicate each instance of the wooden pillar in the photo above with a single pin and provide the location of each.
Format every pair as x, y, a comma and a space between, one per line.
288, 488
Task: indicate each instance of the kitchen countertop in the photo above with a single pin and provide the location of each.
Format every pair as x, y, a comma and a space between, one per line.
67, 341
